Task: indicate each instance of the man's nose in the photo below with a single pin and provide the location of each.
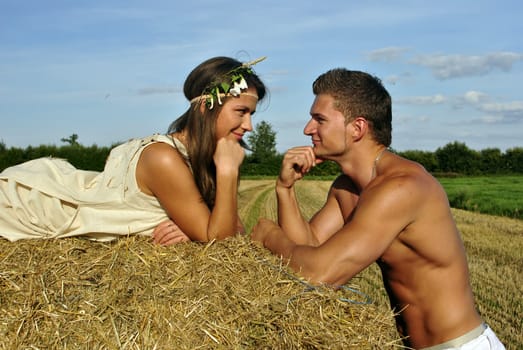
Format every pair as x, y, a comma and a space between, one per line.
310, 127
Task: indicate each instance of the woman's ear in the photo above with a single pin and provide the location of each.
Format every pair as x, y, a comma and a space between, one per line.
359, 128
203, 105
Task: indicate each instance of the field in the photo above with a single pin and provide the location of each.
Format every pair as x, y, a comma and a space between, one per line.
496, 195
131, 294
494, 247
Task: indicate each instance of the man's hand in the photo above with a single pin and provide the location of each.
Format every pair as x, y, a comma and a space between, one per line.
297, 162
168, 233
272, 237
262, 229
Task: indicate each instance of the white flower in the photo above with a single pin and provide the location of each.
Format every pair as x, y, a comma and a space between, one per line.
237, 88
243, 84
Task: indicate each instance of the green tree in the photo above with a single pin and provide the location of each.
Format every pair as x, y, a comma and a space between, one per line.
456, 157
513, 159
491, 161
425, 158
71, 140
262, 142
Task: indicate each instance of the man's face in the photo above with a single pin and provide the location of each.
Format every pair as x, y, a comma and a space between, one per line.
326, 128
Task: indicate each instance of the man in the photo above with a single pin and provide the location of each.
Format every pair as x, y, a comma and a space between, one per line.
384, 209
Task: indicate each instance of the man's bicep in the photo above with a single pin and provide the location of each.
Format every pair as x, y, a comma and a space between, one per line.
358, 244
373, 226
380, 218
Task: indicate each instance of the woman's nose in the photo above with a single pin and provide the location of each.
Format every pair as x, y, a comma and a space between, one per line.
247, 123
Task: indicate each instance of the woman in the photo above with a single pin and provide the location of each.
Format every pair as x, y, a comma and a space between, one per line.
189, 176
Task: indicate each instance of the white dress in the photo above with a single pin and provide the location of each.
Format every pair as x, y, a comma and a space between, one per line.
49, 198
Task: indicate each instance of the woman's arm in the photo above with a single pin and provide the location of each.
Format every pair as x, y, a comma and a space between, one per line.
163, 173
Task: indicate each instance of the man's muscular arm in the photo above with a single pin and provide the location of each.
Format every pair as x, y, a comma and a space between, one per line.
357, 245
297, 162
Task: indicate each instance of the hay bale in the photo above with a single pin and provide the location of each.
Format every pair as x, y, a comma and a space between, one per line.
131, 294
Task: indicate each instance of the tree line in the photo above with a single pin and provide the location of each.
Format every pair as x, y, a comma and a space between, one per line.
453, 159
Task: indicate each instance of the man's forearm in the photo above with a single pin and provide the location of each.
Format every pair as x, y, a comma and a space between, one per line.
290, 218
298, 256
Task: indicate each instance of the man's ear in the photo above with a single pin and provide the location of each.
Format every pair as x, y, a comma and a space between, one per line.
359, 128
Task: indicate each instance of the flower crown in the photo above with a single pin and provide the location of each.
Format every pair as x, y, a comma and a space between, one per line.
236, 77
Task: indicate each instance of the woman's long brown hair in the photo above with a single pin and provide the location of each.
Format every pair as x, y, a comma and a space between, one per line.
199, 124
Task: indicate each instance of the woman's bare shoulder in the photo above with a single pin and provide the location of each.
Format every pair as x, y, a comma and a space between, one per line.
159, 165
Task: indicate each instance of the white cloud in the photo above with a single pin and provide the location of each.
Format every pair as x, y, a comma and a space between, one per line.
423, 100
495, 112
408, 119
475, 97
510, 107
387, 54
454, 66
398, 78
492, 119
502, 113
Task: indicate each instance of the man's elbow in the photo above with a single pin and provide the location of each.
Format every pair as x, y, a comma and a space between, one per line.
329, 280
319, 274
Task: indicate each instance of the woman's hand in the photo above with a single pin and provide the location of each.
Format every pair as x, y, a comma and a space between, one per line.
168, 233
228, 155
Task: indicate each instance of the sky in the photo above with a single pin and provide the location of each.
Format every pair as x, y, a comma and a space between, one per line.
112, 70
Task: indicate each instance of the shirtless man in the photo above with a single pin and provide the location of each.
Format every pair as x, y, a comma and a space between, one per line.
382, 208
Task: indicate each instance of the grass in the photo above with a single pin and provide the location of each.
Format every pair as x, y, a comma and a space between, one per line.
495, 195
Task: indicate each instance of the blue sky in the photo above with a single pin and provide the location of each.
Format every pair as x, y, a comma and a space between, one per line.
113, 70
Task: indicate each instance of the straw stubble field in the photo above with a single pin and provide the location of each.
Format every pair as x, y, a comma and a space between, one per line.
130, 294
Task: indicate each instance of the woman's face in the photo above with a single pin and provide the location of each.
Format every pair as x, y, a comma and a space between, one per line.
234, 119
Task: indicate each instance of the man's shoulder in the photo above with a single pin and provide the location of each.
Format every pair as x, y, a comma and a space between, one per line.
408, 173
409, 190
